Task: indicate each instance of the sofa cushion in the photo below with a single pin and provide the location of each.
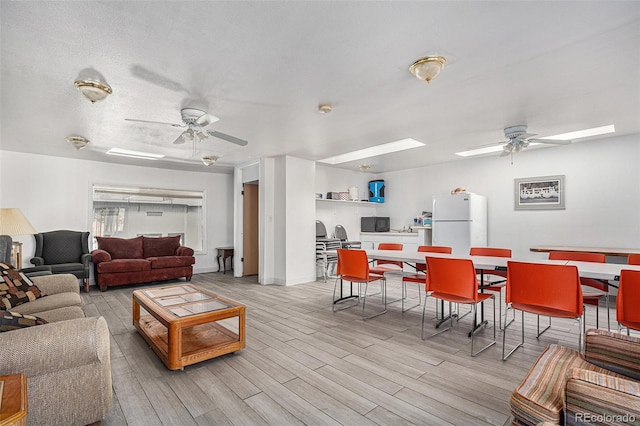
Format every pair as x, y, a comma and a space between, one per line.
124, 265
170, 261
52, 301
14, 320
16, 288
61, 314
539, 397
160, 246
121, 248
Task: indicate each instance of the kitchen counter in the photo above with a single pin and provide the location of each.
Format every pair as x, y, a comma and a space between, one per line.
409, 240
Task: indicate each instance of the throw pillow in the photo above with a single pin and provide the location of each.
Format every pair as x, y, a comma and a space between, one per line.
13, 321
16, 288
160, 246
121, 248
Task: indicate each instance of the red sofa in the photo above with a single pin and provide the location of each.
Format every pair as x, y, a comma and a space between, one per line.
120, 261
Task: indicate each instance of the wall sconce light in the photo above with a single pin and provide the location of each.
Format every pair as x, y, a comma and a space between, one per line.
92, 85
78, 141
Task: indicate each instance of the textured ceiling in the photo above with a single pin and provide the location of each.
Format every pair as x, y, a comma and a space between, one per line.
263, 68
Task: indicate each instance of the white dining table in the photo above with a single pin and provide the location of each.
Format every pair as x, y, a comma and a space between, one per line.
601, 271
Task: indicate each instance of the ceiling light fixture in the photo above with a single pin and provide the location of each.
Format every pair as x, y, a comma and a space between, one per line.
92, 85
78, 141
324, 108
595, 131
573, 136
427, 68
364, 167
373, 151
209, 159
134, 154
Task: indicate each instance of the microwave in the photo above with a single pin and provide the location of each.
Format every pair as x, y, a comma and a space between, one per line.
374, 224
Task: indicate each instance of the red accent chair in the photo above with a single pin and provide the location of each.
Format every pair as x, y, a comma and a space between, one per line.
628, 300
419, 276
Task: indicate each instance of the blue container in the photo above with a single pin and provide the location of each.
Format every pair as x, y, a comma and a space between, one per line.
376, 191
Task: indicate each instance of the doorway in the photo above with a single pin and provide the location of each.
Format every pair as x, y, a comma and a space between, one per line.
250, 255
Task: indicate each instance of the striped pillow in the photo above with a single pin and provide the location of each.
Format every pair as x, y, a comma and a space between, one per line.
540, 395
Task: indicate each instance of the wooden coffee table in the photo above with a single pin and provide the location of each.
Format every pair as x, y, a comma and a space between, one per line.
187, 324
13, 400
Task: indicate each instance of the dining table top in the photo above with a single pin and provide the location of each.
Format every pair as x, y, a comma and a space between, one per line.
602, 271
607, 251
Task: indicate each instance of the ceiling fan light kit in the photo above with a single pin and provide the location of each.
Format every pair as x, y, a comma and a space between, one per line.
209, 159
78, 141
427, 68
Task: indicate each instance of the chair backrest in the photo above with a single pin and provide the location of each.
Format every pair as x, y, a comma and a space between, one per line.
389, 246
340, 233
634, 259
490, 251
628, 299
545, 286
321, 231
421, 267
57, 247
353, 263
452, 276
6, 245
583, 257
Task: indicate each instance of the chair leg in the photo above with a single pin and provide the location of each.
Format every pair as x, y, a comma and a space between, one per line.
341, 298
405, 295
540, 332
606, 299
475, 309
383, 288
86, 285
504, 338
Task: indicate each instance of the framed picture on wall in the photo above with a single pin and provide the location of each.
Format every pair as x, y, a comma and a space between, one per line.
539, 193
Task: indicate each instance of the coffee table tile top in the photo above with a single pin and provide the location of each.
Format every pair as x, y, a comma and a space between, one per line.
186, 300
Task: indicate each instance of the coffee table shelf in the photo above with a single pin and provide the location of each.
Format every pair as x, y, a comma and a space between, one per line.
184, 324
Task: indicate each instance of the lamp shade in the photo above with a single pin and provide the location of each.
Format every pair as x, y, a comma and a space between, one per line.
13, 222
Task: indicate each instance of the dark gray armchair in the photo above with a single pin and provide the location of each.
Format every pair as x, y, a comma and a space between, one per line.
67, 252
6, 244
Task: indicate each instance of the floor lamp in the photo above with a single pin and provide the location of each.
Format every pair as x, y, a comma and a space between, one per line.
13, 222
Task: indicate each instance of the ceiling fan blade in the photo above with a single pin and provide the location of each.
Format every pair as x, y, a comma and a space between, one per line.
227, 138
179, 140
206, 119
551, 141
155, 122
157, 79
527, 135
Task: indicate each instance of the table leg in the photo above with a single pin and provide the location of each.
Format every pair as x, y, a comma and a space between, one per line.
218, 259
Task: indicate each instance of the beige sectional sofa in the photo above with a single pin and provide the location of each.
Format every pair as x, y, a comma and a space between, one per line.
67, 362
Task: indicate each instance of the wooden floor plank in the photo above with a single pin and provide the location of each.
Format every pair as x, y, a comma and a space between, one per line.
305, 364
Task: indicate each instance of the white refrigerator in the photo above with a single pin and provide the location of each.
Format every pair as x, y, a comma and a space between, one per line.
460, 222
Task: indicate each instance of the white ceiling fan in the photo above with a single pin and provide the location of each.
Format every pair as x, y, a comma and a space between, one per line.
195, 120
518, 139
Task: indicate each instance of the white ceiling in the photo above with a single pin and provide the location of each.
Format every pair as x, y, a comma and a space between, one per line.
263, 68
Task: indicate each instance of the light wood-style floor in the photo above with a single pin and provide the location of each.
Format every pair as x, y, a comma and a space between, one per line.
304, 364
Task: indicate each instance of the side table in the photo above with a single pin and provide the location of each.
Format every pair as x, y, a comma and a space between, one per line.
224, 253
13, 408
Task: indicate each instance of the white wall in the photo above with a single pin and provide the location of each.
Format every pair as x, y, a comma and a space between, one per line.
331, 179
55, 193
602, 194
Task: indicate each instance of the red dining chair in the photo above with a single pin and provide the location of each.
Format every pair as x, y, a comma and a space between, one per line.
419, 276
589, 297
353, 266
543, 289
633, 259
392, 265
628, 300
495, 280
454, 281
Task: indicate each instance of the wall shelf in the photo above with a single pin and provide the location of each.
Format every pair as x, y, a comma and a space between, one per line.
355, 203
